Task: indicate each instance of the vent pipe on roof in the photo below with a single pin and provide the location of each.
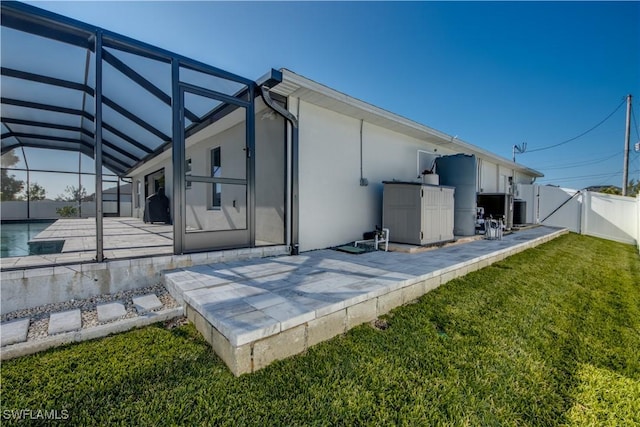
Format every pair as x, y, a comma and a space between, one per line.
266, 97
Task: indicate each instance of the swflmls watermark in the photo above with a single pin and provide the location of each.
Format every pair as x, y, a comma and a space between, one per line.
35, 414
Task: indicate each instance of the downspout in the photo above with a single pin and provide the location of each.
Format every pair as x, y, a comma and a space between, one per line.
294, 207
363, 181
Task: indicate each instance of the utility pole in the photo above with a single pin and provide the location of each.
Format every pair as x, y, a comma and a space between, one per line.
627, 136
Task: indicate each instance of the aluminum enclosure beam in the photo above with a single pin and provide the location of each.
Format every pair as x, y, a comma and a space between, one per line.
38, 78
38, 124
143, 82
137, 120
40, 22
179, 196
97, 137
46, 107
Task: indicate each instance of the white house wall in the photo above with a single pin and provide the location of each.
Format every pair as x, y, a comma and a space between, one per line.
270, 179
494, 178
232, 215
522, 178
504, 186
488, 177
334, 208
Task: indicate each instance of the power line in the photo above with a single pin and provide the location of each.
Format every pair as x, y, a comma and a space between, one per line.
584, 158
579, 164
582, 134
604, 177
571, 178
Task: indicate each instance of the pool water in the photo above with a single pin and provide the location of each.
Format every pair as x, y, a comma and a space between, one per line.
15, 235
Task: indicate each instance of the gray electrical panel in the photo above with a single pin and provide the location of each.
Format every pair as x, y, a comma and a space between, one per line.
417, 214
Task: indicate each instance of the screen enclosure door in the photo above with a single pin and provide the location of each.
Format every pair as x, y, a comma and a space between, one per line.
216, 211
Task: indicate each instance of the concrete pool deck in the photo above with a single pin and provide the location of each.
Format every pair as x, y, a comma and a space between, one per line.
257, 311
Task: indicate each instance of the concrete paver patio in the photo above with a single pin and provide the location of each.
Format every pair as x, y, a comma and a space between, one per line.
123, 238
254, 312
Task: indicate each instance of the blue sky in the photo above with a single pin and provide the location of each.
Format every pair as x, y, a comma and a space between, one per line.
494, 74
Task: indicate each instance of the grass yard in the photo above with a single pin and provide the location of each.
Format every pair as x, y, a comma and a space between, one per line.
547, 337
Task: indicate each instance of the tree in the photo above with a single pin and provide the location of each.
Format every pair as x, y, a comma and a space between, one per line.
633, 188
73, 194
611, 190
67, 211
36, 192
11, 186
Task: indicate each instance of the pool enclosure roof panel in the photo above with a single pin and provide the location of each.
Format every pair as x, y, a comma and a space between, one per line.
48, 77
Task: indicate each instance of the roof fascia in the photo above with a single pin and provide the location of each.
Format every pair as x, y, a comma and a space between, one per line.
434, 136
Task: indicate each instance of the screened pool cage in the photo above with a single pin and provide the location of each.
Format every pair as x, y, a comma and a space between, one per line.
84, 110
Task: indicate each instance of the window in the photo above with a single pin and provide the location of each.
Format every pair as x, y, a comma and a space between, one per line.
187, 172
216, 172
138, 194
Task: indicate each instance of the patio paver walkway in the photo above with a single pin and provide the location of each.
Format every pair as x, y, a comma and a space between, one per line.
254, 312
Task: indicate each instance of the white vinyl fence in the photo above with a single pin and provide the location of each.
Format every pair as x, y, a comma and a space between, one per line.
46, 209
610, 217
595, 214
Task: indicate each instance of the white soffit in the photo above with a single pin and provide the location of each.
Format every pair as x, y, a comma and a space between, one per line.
297, 86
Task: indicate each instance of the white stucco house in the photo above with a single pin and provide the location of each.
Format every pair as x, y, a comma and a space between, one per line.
317, 189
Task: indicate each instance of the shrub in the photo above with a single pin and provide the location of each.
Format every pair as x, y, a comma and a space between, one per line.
67, 211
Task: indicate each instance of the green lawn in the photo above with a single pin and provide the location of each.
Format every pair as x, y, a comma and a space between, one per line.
550, 336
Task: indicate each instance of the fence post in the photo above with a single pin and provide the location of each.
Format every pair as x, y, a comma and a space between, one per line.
585, 208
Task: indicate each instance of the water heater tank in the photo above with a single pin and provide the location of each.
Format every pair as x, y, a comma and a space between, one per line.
461, 172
